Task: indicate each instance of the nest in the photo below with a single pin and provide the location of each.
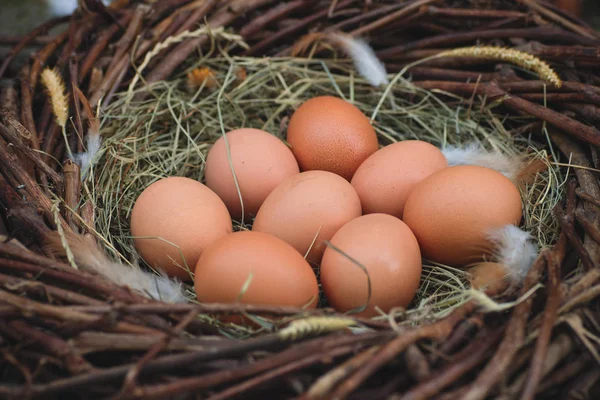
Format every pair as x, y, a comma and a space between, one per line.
161, 87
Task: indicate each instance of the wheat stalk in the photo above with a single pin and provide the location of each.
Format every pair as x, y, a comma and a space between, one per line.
516, 57
314, 325
55, 87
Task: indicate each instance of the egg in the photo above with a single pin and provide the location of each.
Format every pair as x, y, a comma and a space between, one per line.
385, 179
174, 220
255, 268
389, 253
452, 210
489, 276
260, 160
306, 208
330, 134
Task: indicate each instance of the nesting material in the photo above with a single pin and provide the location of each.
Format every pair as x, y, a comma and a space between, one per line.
172, 132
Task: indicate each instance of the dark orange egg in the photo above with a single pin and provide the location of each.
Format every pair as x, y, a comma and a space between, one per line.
330, 134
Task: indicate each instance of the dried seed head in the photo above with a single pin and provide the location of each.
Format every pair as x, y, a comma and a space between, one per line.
516, 57
314, 325
55, 87
201, 76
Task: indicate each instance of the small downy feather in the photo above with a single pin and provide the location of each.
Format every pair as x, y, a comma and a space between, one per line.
87, 158
366, 62
475, 154
93, 141
90, 257
515, 249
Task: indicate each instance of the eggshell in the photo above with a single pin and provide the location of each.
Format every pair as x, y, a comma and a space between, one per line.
277, 274
489, 276
451, 211
387, 249
181, 211
330, 134
384, 180
260, 160
307, 207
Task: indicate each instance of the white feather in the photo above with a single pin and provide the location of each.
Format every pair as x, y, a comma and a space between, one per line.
474, 154
515, 249
366, 62
86, 159
90, 257
154, 286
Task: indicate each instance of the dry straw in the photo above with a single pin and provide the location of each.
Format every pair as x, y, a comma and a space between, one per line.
171, 132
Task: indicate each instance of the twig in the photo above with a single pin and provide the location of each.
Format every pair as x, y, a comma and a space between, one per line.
395, 16
100, 44
326, 383
550, 312
473, 13
557, 18
26, 107
460, 364
269, 363
494, 92
438, 330
271, 15
43, 290
31, 307
26, 150
453, 39
515, 333
57, 347
311, 359
208, 308
45, 27
72, 191
589, 198
291, 30
133, 374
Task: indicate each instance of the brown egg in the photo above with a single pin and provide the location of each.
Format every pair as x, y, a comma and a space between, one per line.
261, 162
255, 268
387, 249
307, 207
330, 134
451, 211
186, 215
384, 180
490, 277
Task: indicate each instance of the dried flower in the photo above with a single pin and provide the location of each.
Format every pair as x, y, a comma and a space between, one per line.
516, 57
202, 76
55, 87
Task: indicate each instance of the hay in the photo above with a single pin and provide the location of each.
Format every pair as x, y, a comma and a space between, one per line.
171, 132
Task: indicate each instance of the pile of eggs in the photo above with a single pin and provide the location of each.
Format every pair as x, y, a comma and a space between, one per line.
331, 204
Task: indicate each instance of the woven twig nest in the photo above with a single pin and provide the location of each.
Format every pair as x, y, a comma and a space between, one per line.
150, 66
